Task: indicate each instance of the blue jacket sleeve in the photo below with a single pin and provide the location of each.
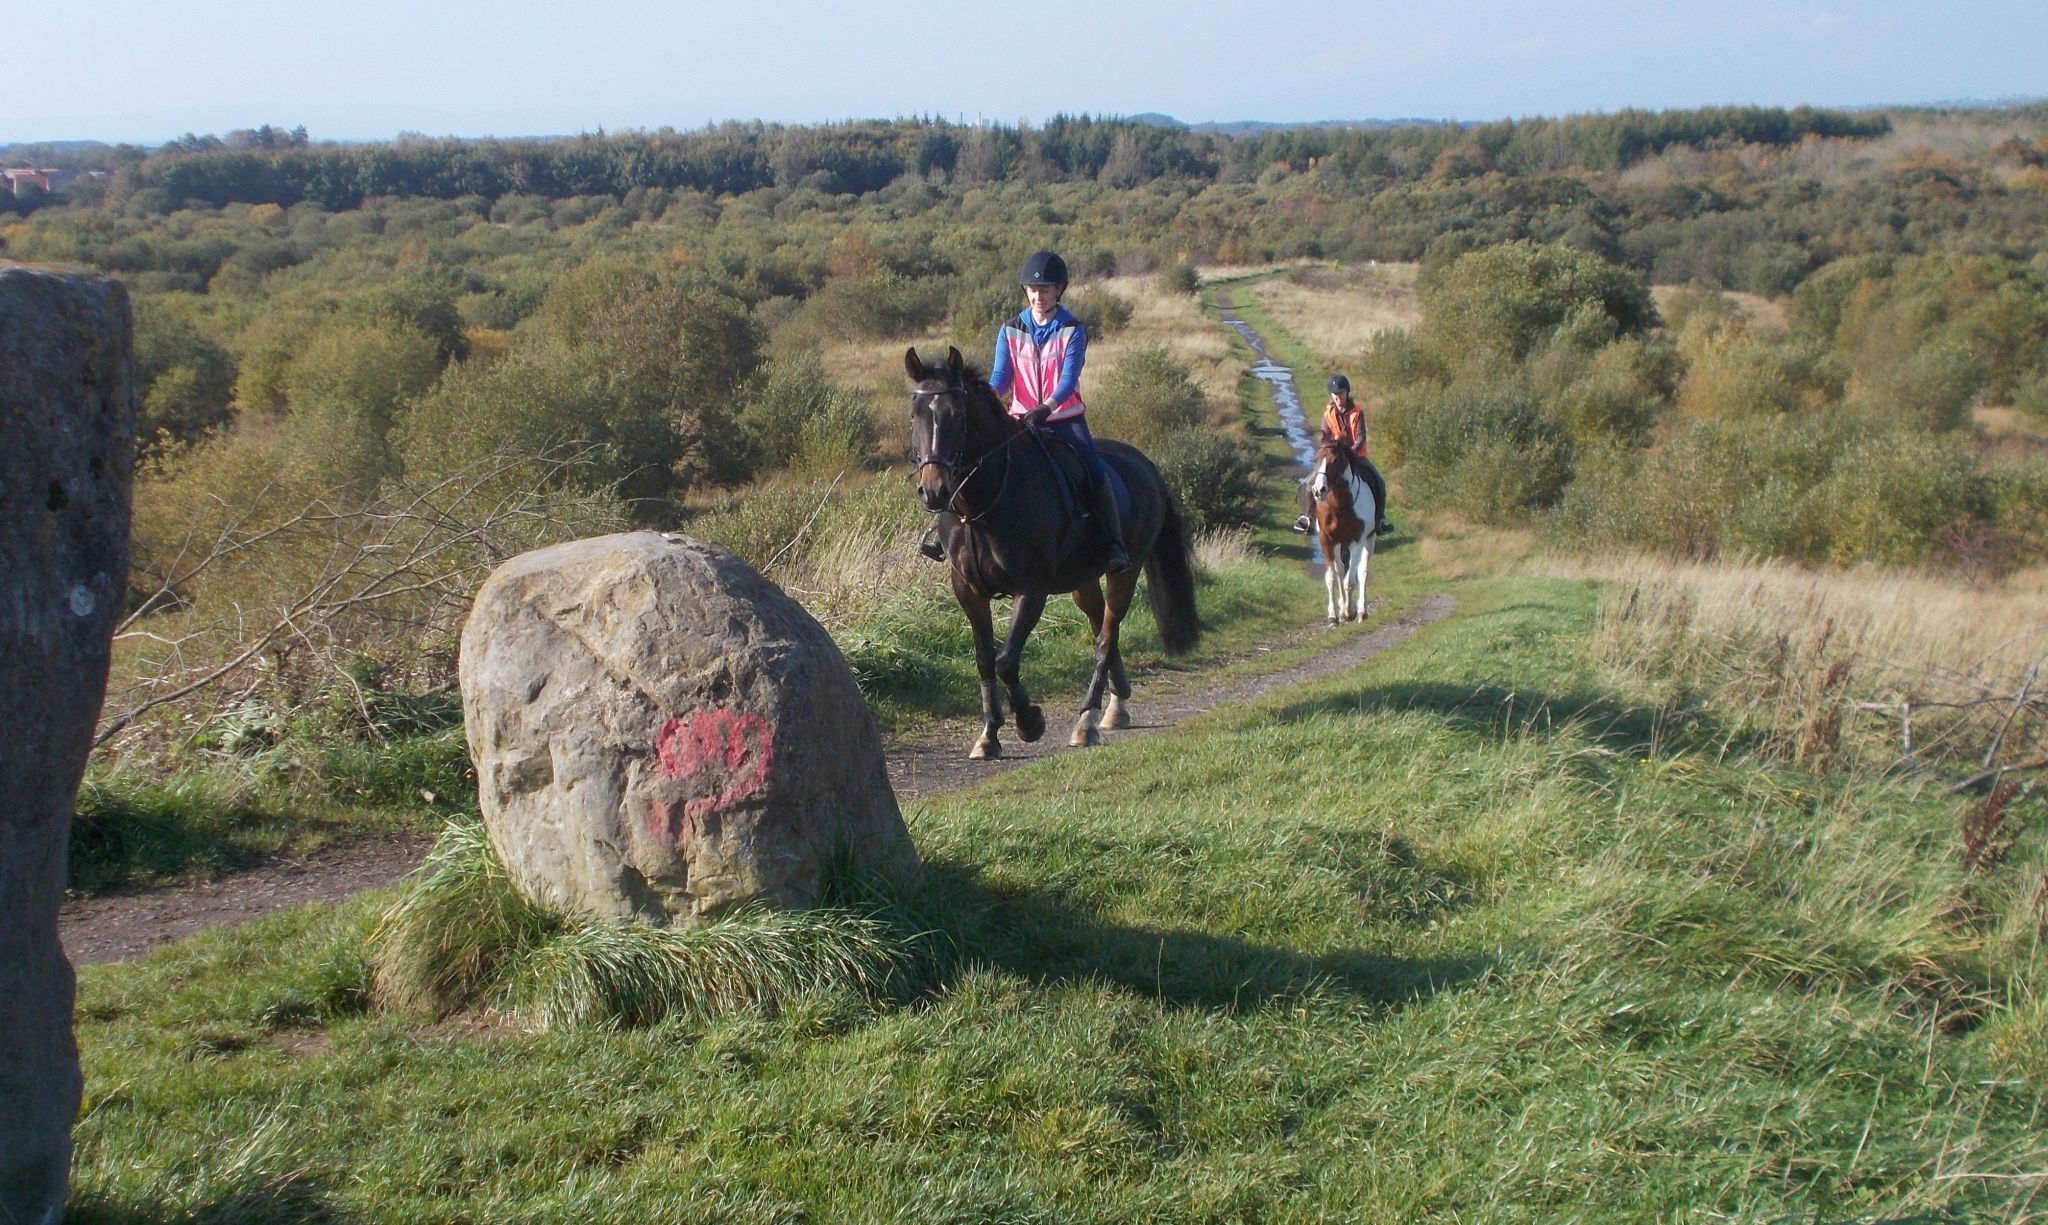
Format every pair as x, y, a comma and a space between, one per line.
999, 373
1070, 368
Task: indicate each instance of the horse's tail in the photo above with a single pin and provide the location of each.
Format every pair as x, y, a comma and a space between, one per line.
1170, 584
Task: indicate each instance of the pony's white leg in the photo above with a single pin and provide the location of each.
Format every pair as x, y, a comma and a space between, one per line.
1116, 715
985, 748
1364, 571
1085, 733
1333, 583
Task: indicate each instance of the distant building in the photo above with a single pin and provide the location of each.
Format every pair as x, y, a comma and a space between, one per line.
19, 177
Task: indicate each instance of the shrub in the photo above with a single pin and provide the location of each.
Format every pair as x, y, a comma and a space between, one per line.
1889, 493
1483, 449
1146, 398
1215, 478
1180, 277
1932, 388
2032, 397
795, 416
1507, 299
1103, 313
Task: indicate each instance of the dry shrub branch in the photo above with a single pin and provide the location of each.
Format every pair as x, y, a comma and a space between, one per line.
253, 573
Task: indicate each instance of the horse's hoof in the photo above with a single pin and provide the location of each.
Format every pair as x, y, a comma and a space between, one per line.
1031, 723
985, 750
1085, 736
1330, 621
1118, 716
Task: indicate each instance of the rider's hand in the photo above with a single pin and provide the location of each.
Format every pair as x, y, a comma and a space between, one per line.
1037, 417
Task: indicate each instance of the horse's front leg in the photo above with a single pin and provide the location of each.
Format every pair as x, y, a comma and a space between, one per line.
1364, 566
975, 605
1333, 584
1009, 665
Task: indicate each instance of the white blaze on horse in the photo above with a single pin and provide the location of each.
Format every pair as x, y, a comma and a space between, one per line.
1344, 516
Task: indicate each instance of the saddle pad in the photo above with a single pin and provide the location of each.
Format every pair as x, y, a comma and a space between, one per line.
1073, 476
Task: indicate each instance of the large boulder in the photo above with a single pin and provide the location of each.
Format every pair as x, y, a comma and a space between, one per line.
67, 412
659, 731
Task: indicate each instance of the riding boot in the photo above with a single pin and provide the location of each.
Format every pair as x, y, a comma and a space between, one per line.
931, 546
1112, 526
1375, 482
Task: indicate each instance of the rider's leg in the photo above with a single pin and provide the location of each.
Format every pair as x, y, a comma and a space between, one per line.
1101, 493
1375, 482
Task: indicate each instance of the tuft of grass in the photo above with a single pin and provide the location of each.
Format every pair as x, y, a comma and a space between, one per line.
463, 933
623, 973
439, 945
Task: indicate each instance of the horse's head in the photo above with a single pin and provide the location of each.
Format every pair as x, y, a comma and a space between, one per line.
1332, 462
945, 402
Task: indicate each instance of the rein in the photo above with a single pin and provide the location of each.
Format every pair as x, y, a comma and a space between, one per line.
950, 466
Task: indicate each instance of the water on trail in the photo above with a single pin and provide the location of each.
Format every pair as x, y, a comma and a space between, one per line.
1279, 380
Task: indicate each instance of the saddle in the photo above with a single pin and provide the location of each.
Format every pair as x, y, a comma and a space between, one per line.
1072, 475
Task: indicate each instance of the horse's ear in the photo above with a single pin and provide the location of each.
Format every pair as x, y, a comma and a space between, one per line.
913, 365
954, 362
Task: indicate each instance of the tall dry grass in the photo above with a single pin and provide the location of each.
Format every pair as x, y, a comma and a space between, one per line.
1340, 317
1908, 669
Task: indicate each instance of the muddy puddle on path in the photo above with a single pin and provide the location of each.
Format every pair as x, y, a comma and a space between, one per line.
1279, 381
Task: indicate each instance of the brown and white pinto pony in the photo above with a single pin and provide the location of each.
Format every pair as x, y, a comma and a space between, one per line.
1344, 517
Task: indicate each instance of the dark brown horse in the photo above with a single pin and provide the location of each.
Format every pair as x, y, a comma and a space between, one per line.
1344, 517
1011, 525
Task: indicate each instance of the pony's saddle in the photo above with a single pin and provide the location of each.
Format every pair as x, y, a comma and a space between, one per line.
1072, 472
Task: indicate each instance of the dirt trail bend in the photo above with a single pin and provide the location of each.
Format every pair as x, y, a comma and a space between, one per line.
124, 925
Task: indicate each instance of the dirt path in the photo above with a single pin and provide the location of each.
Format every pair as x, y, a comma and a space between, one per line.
124, 925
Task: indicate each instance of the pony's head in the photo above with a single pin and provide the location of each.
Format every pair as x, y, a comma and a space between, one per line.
951, 409
1332, 462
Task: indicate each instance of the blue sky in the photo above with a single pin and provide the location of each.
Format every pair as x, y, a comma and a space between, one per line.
147, 70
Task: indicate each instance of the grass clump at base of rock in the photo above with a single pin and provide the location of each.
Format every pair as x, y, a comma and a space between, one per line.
461, 933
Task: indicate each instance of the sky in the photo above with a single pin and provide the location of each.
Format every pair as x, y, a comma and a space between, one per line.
148, 70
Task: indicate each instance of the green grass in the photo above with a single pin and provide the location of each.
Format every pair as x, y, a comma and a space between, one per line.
1461, 935
220, 811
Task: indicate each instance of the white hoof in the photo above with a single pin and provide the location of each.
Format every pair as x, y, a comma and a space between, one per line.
1085, 736
1117, 716
984, 749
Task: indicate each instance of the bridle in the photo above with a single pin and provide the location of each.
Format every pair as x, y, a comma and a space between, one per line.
951, 462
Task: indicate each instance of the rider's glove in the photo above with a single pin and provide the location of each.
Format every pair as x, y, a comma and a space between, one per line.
1037, 417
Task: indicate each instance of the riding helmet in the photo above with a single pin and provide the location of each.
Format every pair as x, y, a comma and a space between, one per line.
1339, 385
1043, 268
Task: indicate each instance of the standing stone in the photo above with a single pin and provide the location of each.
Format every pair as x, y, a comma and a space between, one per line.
67, 415
659, 731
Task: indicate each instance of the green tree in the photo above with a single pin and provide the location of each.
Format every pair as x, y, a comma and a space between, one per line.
187, 379
1505, 300
349, 387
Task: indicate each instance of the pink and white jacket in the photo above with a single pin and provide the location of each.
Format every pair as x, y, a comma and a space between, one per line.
1041, 364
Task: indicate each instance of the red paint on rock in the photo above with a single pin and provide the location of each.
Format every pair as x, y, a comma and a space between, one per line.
725, 755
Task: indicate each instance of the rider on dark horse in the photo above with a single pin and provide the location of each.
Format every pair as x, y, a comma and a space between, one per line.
1038, 362
1344, 420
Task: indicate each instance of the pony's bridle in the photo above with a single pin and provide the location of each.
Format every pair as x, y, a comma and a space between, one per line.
945, 463
951, 463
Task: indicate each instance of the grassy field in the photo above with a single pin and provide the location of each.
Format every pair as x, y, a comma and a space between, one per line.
1460, 935
1513, 923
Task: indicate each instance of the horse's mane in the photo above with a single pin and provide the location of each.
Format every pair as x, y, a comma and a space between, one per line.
975, 380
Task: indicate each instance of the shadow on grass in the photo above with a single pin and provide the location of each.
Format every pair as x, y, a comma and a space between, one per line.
1496, 710
294, 1197
957, 921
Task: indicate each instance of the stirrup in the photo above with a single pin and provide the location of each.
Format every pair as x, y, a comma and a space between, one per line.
930, 546
1301, 525
1119, 559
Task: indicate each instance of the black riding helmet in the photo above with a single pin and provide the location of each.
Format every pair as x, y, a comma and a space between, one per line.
1043, 268
1339, 385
